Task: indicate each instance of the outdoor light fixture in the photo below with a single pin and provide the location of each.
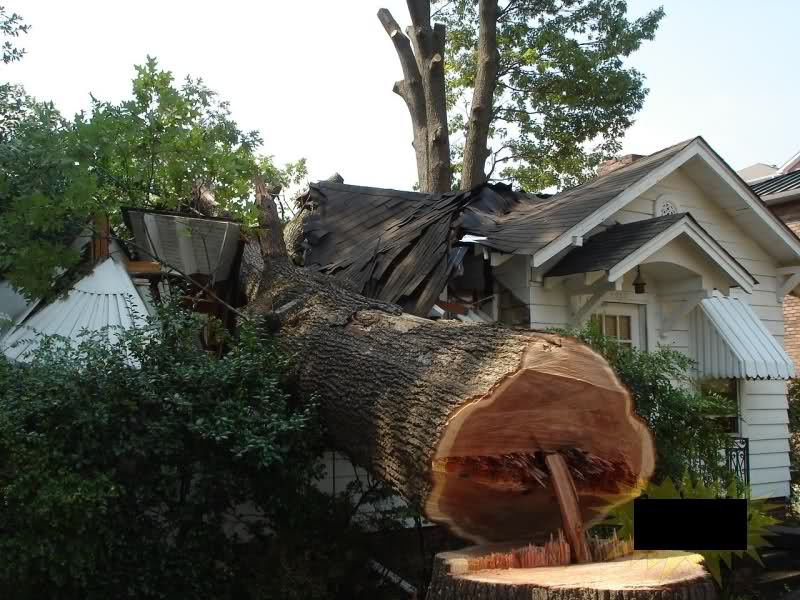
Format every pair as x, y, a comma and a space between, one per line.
638, 283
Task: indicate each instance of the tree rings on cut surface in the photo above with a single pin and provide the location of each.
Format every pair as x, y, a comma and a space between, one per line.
490, 481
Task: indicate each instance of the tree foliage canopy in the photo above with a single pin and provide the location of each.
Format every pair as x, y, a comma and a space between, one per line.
11, 26
564, 95
152, 150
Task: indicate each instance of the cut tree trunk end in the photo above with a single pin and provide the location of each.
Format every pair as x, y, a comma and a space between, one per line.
639, 576
459, 418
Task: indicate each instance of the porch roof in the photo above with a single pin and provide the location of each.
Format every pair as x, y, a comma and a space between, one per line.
731, 341
603, 251
622, 247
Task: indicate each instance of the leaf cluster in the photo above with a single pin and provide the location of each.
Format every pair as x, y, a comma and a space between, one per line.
564, 94
153, 150
11, 26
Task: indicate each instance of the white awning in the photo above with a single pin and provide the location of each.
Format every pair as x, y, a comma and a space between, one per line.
731, 341
105, 297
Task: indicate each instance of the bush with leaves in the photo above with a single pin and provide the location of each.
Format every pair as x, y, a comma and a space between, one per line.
794, 426
145, 467
665, 396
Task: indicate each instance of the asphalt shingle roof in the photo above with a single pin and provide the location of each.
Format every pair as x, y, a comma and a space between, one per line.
776, 185
604, 250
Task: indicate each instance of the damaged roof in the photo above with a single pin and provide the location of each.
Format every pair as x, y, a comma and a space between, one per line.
403, 246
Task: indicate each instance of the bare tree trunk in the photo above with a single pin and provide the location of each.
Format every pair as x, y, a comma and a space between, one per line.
480, 115
423, 89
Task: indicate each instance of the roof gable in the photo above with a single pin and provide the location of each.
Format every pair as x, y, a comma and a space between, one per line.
622, 247
711, 173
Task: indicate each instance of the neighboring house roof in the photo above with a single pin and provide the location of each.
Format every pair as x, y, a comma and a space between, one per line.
605, 250
790, 165
104, 297
778, 184
735, 343
756, 172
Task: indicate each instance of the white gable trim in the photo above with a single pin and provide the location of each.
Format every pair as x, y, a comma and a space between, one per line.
699, 236
697, 147
789, 165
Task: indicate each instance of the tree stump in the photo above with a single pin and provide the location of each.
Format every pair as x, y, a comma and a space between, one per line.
639, 576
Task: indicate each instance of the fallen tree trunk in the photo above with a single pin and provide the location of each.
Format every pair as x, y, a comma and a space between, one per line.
458, 418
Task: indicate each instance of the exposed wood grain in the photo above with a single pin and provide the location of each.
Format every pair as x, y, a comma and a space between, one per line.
662, 575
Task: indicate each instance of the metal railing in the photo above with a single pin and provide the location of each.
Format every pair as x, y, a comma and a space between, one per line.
734, 457
737, 459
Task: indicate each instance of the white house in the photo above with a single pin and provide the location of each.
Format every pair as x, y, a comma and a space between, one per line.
668, 249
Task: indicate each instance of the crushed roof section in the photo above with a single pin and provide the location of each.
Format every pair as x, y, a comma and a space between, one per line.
603, 251
400, 246
776, 185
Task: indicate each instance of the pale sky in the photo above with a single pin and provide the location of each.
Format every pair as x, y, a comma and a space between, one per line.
315, 76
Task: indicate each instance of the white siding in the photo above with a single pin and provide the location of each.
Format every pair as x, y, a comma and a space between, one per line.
763, 403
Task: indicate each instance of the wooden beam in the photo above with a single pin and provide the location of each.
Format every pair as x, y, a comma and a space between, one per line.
144, 266
567, 498
101, 234
788, 284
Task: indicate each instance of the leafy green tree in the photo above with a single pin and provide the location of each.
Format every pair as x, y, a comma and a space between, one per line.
538, 88
11, 26
157, 149
563, 95
46, 193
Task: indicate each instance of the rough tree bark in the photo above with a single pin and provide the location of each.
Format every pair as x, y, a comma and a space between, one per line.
423, 89
480, 113
458, 418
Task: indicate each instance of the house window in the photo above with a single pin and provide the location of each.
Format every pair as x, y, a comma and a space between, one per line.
619, 327
727, 388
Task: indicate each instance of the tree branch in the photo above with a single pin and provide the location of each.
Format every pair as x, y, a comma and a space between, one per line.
420, 11
412, 91
475, 150
411, 74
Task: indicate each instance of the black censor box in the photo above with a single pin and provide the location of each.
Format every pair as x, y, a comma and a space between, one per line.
690, 524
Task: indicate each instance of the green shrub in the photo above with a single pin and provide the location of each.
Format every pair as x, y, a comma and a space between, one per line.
126, 468
794, 427
667, 399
